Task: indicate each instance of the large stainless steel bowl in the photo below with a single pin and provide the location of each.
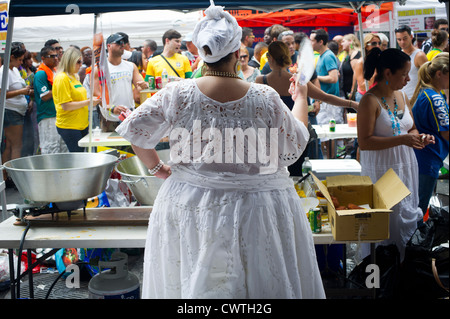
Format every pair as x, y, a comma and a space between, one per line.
61, 177
135, 174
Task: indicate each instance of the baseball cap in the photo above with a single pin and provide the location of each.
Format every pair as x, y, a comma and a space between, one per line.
114, 38
188, 37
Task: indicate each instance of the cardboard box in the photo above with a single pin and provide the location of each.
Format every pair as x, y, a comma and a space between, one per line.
362, 224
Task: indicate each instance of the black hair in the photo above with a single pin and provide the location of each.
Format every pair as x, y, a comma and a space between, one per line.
246, 32
50, 42
17, 50
333, 46
404, 28
321, 34
46, 50
392, 59
136, 58
299, 36
438, 22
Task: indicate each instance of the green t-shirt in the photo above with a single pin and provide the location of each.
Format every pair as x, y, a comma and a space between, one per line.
45, 109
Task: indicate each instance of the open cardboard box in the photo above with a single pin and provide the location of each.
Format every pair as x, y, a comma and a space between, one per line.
362, 224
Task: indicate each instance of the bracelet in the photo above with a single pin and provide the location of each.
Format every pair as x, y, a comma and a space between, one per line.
350, 103
155, 169
111, 109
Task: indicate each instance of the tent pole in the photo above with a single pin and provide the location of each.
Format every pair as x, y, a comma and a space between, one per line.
91, 85
5, 81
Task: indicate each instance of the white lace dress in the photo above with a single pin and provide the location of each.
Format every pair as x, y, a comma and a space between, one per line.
402, 159
230, 229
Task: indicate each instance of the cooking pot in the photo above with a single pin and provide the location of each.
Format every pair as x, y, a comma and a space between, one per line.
135, 174
61, 177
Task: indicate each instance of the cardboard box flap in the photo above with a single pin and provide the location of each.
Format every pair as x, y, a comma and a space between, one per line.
390, 189
323, 189
350, 212
348, 180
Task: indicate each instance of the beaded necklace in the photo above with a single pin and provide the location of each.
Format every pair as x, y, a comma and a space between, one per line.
394, 118
222, 74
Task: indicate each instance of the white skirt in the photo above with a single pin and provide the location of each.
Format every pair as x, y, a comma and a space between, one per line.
229, 238
403, 219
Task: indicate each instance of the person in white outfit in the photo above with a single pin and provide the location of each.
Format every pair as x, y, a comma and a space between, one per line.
387, 138
227, 222
405, 36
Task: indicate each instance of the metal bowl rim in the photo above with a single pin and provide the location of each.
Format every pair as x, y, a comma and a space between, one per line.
57, 169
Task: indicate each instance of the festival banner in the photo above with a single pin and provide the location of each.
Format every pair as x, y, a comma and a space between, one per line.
420, 20
3, 25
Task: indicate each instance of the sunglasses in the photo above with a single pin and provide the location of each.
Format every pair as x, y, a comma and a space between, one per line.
244, 56
53, 56
403, 29
58, 48
284, 33
374, 43
444, 29
120, 42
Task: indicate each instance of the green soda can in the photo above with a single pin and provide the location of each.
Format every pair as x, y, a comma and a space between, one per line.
315, 220
332, 125
151, 81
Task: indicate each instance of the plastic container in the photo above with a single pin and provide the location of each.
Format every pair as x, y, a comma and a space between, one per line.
351, 119
164, 78
306, 166
116, 282
96, 132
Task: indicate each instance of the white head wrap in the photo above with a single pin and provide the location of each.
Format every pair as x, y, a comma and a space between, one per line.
218, 30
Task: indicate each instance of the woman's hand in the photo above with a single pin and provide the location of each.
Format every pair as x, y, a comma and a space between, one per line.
427, 139
164, 172
28, 90
418, 141
297, 90
96, 100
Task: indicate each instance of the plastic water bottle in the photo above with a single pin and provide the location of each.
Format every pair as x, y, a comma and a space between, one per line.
164, 78
306, 167
96, 132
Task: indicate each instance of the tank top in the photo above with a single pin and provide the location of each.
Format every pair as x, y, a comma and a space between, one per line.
121, 92
409, 88
347, 73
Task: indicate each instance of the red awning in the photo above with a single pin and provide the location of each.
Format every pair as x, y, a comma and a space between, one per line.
311, 17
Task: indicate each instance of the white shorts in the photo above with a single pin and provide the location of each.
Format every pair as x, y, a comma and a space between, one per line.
49, 139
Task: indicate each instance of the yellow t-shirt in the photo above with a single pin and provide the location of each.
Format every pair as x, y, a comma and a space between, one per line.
341, 56
432, 53
263, 60
179, 62
67, 89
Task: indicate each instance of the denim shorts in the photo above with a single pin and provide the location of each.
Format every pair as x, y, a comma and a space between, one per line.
12, 118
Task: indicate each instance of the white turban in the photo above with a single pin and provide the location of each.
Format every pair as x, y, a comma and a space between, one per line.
218, 30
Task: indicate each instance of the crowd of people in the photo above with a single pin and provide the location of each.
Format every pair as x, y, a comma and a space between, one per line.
400, 96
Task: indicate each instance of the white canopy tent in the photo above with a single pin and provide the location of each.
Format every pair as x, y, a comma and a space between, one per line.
76, 29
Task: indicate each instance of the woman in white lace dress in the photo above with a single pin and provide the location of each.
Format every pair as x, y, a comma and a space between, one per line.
387, 137
227, 222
